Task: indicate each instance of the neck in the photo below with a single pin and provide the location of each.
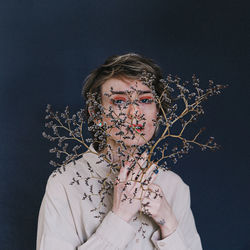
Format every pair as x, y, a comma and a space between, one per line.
117, 157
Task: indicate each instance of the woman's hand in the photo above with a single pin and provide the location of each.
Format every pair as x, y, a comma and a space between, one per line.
128, 191
156, 206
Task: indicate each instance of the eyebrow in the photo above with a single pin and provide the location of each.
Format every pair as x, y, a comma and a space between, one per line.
140, 92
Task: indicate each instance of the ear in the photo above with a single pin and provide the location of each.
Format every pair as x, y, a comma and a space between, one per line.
92, 113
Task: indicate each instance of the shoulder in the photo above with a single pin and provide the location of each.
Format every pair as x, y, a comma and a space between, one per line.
63, 177
174, 188
171, 180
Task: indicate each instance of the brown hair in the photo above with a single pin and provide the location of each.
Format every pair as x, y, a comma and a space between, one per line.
129, 66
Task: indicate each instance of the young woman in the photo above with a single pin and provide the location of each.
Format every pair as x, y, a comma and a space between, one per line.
124, 114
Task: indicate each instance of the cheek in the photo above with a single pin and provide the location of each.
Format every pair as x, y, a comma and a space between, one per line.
106, 118
151, 115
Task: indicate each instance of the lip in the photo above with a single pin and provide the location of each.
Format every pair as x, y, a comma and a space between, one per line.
138, 127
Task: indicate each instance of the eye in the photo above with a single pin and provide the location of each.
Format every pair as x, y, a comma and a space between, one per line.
146, 100
118, 101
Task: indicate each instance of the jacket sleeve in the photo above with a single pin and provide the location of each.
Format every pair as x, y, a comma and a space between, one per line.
57, 231
186, 236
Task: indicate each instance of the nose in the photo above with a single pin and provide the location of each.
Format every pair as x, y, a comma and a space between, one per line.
134, 111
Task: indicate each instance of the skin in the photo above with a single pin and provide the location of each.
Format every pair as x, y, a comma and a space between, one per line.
152, 202
146, 108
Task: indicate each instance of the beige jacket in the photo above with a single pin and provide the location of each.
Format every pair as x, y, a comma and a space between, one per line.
66, 223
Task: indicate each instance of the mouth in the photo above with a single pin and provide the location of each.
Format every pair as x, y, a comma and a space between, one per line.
137, 127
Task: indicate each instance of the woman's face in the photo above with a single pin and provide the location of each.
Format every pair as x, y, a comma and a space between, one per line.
134, 106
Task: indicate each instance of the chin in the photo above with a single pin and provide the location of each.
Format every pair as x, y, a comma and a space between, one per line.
138, 140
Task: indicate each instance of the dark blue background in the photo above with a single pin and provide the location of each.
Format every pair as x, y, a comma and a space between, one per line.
48, 47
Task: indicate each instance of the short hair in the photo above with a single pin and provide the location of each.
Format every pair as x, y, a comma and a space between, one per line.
130, 66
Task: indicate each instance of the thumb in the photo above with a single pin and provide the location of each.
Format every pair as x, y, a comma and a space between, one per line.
122, 176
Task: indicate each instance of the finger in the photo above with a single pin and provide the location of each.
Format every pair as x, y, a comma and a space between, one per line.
134, 169
150, 174
142, 159
124, 170
138, 162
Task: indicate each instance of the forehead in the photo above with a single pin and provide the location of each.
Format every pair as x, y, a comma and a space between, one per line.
123, 84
